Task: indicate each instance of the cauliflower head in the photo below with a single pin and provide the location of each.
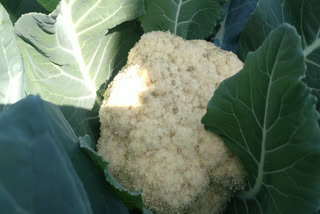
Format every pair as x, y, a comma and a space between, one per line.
151, 133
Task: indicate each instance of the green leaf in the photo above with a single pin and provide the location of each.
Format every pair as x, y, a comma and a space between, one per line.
11, 65
36, 174
190, 19
85, 121
34, 134
267, 117
71, 52
16, 8
133, 200
237, 16
50, 5
102, 197
304, 15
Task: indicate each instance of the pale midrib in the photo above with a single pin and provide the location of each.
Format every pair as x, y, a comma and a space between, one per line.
6, 98
309, 49
87, 13
13, 92
250, 194
259, 180
77, 51
177, 17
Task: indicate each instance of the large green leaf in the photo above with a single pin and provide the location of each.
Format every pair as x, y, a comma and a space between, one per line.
267, 116
71, 52
11, 65
304, 15
36, 175
38, 146
50, 5
101, 195
85, 121
190, 19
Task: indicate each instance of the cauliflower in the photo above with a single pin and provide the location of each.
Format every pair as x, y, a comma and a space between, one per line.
151, 133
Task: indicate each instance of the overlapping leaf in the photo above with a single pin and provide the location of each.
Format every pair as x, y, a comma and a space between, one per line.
304, 15
190, 19
101, 195
18, 7
11, 65
237, 16
50, 5
267, 116
36, 176
84, 121
43, 169
71, 52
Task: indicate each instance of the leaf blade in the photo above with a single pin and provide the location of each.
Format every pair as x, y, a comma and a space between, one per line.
34, 134
50, 5
85, 121
238, 14
69, 52
30, 159
11, 65
267, 116
101, 196
299, 13
190, 19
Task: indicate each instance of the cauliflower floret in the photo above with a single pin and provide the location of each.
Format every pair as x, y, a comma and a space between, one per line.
151, 133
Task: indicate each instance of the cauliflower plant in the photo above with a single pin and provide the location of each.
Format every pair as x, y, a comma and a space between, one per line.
151, 132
